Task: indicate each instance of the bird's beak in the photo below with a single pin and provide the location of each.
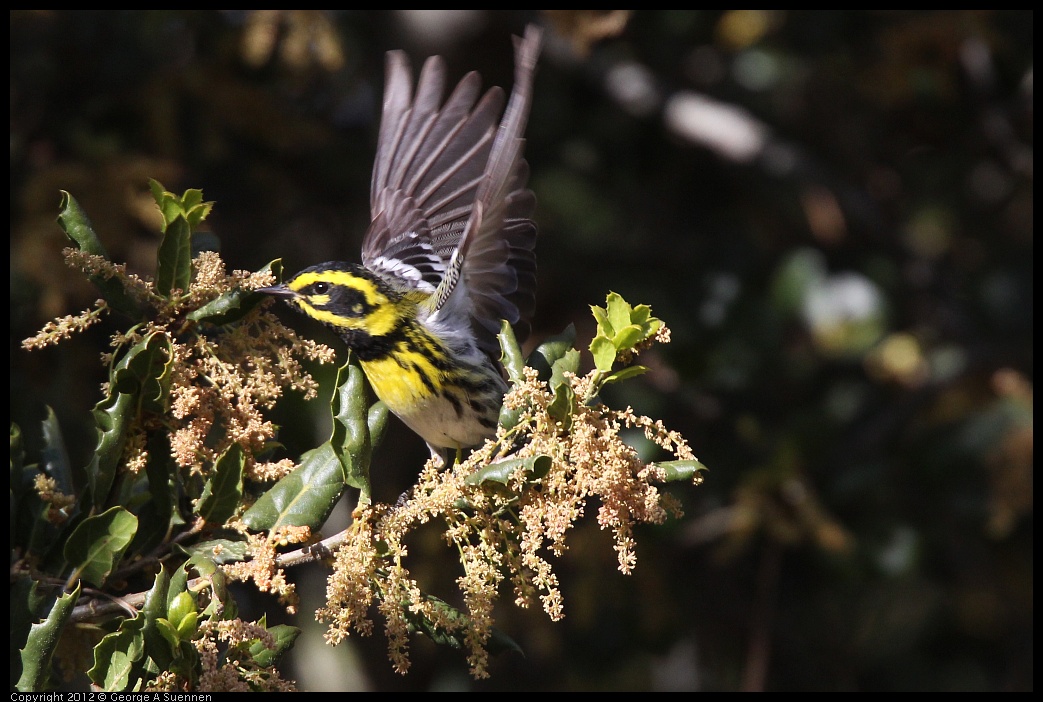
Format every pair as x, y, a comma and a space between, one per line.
277, 291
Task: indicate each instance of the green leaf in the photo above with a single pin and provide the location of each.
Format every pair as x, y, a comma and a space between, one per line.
284, 636
567, 363
77, 226
628, 337
154, 609
601, 318
535, 467
31, 531
183, 605
191, 198
188, 626
146, 371
604, 352
623, 374
563, 404
223, 491
219, 550
498, 641
174, 263
43, 639
640, 314
74, 222
356, 430
25, 605
551, 351
234, 304
169, 634
350, 437
97, 544
376, 422
305, 497
157, 513
189, 206
680, 470
54, 459
118, 657
618, 311
510, 353
178, 584
111, 416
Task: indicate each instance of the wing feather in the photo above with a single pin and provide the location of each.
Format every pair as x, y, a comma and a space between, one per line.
449, 198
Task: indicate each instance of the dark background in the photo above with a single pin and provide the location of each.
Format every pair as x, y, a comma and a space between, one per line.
831, 210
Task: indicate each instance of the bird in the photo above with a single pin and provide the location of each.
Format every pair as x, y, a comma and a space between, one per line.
448, 254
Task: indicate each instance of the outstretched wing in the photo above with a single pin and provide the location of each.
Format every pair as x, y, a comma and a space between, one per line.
448, 197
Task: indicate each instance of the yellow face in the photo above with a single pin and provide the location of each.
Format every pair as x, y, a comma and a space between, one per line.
345, 298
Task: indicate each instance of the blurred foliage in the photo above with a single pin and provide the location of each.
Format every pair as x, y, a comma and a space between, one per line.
832, 211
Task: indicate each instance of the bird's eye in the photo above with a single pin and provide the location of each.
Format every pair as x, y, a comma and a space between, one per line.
321, 288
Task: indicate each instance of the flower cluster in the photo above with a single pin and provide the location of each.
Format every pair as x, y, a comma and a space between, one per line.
505, 528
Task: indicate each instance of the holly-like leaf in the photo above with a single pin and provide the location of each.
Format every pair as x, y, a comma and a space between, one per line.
620, 328
219, 550
305, 497
233, 305
351, 437
564, 401
551, 350
174, 262
156, 515
604, 352
223, 491
74, 222
43, 639
680, 470
535, 467
623, 374
54, 459
154, 609
119, 657
146, 371
498, 641
283, 636
510, 353
111, 416
97, 543
189, 206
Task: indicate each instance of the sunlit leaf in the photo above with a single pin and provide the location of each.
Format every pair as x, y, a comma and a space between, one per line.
623, 374
43, 639
551, 350
118, 657
510, 353
154, 609
231, 306
501, 471
97, 544
74, 222
283, 637
680, 470
305, 497
220, 550
604, 352
174, 260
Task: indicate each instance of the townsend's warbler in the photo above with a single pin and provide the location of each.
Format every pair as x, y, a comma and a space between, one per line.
447, 256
